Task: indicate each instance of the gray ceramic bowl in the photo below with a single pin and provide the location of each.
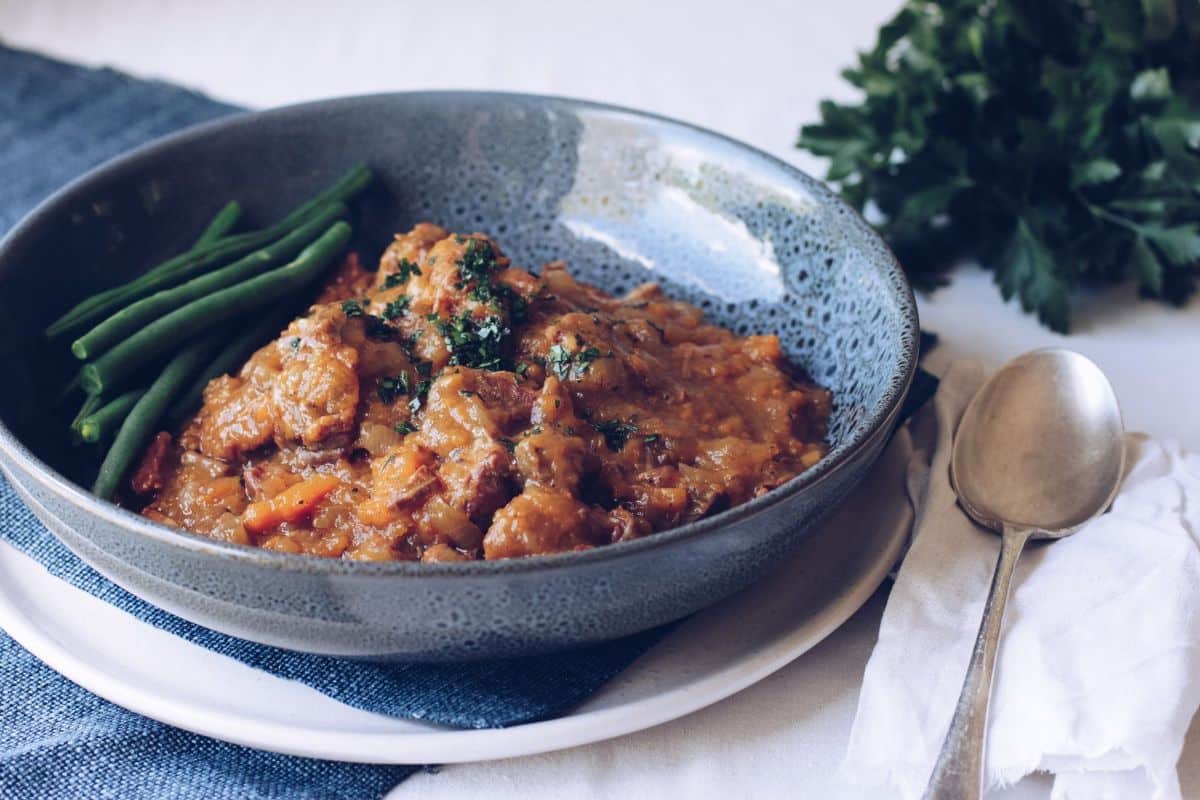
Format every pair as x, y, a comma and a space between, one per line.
624, 197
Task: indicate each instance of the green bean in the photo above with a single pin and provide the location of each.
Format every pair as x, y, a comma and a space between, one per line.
193, 262
182, 267
346, 187
101, 422
141, 313
90, 403
258, 292
230, 357
138, 426
221, 224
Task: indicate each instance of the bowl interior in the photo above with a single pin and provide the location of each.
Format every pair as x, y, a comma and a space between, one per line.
622, 197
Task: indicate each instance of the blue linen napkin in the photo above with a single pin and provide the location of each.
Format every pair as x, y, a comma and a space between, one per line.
58, 740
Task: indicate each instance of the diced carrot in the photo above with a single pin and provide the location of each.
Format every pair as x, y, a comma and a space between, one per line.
292, 504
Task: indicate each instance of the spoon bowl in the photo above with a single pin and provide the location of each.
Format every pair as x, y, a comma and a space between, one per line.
1040, 446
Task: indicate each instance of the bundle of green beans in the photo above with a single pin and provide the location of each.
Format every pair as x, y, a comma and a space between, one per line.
176, 310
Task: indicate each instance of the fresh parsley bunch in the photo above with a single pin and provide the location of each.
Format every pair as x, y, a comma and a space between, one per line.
1056, 141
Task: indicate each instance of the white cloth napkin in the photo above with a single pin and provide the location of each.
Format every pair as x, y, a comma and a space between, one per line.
1098, 674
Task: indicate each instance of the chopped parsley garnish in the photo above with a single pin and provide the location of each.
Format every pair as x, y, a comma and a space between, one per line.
395, 308
424, 368
404, 428
404, 270
570, 366
509, 443
296, 343
559, 361
615, 432
474, 343
419, 395
377, 329
477, 264
521, 368
391, 388
653, 437
352, 308
501, 298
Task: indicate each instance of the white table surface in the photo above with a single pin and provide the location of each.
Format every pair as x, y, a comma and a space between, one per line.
753, 69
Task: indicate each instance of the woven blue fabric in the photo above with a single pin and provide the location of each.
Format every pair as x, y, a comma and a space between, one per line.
60, 741
57, 740
58, 120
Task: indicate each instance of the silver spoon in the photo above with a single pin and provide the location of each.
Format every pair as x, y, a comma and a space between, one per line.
1038, 453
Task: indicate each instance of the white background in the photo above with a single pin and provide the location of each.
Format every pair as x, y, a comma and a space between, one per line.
749, 68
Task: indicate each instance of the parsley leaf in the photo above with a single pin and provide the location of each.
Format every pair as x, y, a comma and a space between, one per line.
1027, 271
391, 388
395, 308
478, 261
1057, 143
474, 343
615, 432
352, 308
570, 366
419, 394
404, 270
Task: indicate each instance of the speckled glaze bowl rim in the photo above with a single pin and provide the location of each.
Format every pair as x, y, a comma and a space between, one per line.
842, 454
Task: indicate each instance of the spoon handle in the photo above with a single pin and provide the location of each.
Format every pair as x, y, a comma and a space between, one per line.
958, 774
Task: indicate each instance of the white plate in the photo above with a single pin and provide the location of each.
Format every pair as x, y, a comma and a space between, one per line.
709, 657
